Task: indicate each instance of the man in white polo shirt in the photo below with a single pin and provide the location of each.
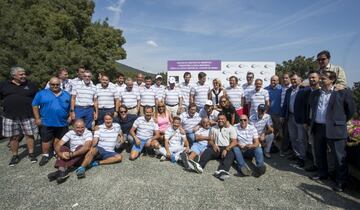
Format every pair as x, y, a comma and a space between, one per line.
147, 95
185, 88
83, 97
235, 95
79, 141
173, 98
107, 99
189, 120
248, 145
258, 96
147, 130
103, 152
209, 112
130, 97
199, 93
158, 87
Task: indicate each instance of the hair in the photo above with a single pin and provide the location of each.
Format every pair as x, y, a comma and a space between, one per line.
119, 74
222, 114
176, 118
87, 72
61, 70
312, 72
324, 52
147, 78
129, 79
187, 73
250, 73
201, 75
294, 74
105, 75
147, 107
227, 101
124, 107
218, 81
191, 105
236, 79
15, 69
81, 67
79, 120
331, 75
258, 80
109, 114
156, 113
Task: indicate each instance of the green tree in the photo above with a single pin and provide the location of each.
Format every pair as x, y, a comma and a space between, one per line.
44, 35
356, 94
300, 65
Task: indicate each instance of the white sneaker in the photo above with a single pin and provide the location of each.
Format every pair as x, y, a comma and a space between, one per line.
197, 167
163, 158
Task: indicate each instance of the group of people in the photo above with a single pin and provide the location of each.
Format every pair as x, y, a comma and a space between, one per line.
186, 123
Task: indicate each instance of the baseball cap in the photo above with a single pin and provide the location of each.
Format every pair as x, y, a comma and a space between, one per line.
172, 80
262, 107
209, 103
158, 76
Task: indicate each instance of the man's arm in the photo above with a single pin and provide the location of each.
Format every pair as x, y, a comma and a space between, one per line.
36, 115
72, 107
132, 133
83, 150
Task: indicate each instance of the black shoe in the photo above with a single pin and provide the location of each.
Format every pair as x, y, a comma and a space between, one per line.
63, 175
317, 177
293, 157
184, 160
44, 160
32, 158
339, 187
311, 168
300, 163
259, 171
14, 160
53, 175
221, 173
245, 170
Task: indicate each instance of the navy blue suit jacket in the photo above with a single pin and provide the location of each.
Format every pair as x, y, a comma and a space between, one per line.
299, 106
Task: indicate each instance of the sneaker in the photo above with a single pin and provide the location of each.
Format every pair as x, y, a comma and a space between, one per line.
184, 160
80, 172
53, 175
44, 160
94, 164
267, 155
14, 160
260, 171
221, 174
196, 166
63, 175
162, 158
300, 163
285, 153
245, 170
32, 158
293, 157
224, 176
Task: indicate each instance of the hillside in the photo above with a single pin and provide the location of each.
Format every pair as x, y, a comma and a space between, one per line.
129, 71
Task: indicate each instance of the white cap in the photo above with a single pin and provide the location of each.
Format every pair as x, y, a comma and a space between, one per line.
158, 76
172, 80
209, 103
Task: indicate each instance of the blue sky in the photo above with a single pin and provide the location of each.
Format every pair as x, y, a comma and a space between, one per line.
235, 30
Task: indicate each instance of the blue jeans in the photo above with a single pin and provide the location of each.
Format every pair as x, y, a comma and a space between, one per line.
87, 114
191, 138
249, 153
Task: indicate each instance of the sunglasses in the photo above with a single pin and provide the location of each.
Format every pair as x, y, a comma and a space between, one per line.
223, 101
243, 120
122, 111
55, 84
321, 59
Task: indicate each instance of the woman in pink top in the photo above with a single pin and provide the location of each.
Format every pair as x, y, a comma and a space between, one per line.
163, 119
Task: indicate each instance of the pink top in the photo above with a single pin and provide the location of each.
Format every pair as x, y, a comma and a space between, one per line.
163, 122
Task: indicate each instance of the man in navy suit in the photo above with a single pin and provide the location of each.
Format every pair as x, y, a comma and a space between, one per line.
330, 109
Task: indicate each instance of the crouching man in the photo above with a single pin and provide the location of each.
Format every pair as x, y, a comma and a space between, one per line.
80, 142
103, 146
248, 146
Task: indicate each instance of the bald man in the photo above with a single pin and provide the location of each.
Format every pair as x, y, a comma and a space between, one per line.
51, 111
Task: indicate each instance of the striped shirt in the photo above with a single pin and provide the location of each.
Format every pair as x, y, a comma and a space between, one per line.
201, 94
188, 122
130, 98
203, 132
73, 83
235, 96
120, 88
159, 90
283, 92
260, 124
175, 137
137, 87
108, 137
213, 115
85, 94
77, 140
246, 135
247, 89
257, 98
147, 96
145, 129
185, 92
106, 96
172, 96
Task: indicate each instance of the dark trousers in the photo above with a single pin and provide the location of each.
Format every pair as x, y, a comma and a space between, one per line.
285, 143
337, 147
70, 162
210, 154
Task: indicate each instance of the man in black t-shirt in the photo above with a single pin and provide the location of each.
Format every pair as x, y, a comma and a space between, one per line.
17, 95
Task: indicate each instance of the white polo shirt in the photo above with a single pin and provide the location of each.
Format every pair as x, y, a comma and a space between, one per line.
159, 90
85, 94
203, 132
185, 92
108, 136
130, 98
147, 96
106, 96
201, 94
172, 96
260, 124
246, 135
257, 98
175, 137
77, 140
188, 123
145, 129
235, 96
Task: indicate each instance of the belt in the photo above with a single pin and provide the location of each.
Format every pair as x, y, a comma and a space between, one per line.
131, 107
147, 105
84, 107
107, 108
172, 105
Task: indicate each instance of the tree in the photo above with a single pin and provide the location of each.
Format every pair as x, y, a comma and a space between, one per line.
300, 65
44, 35
356, 94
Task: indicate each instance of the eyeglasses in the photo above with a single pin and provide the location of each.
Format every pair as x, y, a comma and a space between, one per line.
161, 106
243, 120
223, 101
321, 59
55, 84
122, 111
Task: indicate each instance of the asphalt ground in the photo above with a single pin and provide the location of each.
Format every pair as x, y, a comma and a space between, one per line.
148, 183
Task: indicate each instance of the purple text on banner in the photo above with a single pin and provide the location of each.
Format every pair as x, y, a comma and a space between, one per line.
194, 65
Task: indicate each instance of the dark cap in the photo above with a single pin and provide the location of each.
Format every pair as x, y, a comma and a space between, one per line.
262, 107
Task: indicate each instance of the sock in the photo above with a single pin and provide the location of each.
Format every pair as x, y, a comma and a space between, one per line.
46, 154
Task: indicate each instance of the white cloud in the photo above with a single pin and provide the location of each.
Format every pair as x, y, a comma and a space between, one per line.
152, 43
117, 10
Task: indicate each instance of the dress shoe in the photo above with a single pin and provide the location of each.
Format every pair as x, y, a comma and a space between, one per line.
339, 187
317, 177
311, 168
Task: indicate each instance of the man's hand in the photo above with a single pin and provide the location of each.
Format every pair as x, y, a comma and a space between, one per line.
38, 122
65, 155
216, 148
168, 155
137, 141
223, 154
95, 115
339, 87
187, 150
72, 115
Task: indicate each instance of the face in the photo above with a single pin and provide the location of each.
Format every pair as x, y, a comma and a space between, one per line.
20, 76
79, 128
223, 102
55, 85
140, 78
129, 86
295, 81
286, 79
208, 108
108, 121
158, 82
120, 79
250, 78
87, 77
104, 81
192, 111
148, 114
243, 121
161, 108
325, 81
148, 83
202, 80
80, 72
187, 78
260, 112
274, 81
216, 84
171, 85
176, 124
122, 113
221, 120
323, 61
205, 123
63, 75
232, 82
258, 84
314, 79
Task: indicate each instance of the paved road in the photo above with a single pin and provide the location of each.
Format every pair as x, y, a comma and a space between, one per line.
150, 184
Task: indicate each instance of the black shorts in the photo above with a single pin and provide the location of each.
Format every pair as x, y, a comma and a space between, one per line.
48, 133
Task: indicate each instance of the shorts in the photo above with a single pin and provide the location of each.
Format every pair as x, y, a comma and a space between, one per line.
16, 127
48, 133
138, 148
198, 148
102, 154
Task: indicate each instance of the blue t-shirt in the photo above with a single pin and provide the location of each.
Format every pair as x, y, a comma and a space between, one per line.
127, 124
275, 99
54, 110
